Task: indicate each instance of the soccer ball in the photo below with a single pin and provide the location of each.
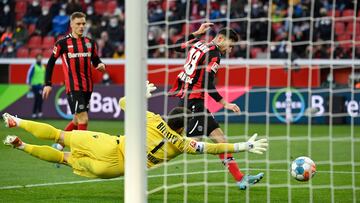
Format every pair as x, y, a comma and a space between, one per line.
303, 168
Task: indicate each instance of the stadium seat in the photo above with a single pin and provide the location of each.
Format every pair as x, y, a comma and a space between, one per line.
348, 13
47, 53
111, 6
22, 52
21, 7
339, 28
48, 42
34, 42
99, 7
254, 51
330, 13
34, 52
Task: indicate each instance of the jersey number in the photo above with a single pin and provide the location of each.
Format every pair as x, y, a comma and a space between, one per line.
190, 66
157, 147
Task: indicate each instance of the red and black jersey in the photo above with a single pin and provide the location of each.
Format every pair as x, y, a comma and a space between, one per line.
76, 54
201, 66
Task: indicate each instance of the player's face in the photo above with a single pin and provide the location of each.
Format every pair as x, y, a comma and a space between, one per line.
226, 45
78, 26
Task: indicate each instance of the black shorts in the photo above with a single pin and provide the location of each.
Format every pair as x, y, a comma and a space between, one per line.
79, 101
197, 120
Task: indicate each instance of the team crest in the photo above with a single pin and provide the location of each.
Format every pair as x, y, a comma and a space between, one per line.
88, 45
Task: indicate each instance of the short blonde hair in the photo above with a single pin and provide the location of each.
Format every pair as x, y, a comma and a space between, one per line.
77, 15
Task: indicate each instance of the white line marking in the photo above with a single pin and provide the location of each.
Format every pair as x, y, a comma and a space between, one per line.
150, 176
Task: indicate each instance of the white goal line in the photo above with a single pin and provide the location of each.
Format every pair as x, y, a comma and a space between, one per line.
151, 176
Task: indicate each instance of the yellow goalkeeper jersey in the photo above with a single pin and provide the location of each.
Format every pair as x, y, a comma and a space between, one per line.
164, 144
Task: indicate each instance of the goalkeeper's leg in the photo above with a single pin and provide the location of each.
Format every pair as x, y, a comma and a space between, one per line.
40, 130
45, 153
227, 159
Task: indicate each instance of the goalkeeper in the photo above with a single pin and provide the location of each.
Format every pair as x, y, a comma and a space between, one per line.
99, 155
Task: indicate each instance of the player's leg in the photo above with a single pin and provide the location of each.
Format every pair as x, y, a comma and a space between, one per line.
243, 181
81, 112
40, 130
72, 125
45, 153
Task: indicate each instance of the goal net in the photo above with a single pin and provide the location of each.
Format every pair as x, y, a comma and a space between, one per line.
295, 75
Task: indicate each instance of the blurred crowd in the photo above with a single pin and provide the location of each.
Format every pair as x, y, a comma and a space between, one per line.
285, 29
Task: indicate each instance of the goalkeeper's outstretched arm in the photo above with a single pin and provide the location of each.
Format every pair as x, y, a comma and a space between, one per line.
252, 145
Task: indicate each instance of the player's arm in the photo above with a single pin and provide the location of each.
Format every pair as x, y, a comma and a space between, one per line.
50, 68
211, 70
187, 41
95, 59
30, 74
252, 145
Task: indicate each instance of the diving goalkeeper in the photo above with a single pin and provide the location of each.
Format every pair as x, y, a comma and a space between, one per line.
99, 155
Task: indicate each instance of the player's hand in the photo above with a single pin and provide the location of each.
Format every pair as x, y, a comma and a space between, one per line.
231, 106
203, 28
150, 87
46, 92
257, 146
101, 67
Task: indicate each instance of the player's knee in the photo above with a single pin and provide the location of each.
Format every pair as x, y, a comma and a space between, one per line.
82, 118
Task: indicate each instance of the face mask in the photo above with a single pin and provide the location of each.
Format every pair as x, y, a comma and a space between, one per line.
89, 11
6, 9
113, 23
35, 3
62, 13
45, 12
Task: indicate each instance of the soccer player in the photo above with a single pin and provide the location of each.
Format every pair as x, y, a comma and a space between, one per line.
77, 53
196, 79
99, 155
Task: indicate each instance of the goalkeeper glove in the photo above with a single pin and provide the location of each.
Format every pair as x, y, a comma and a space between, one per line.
252, 145
150, 87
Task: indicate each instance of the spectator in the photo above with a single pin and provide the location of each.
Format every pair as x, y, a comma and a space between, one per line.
7, 18
116, 34
33, 12
44, 24
73, 6
36, 79
107, 50
21, 35
60, 23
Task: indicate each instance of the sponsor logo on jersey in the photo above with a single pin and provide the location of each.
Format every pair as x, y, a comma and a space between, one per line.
193, 144
79, 55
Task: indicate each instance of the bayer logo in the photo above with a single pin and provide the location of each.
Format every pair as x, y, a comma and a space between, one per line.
288, 105
61, 104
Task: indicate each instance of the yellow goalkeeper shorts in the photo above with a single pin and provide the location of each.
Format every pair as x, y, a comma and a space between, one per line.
95, 154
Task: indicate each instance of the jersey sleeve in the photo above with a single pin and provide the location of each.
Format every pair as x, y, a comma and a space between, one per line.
95, 59
57, 51
185, 43
192, 146
211, 70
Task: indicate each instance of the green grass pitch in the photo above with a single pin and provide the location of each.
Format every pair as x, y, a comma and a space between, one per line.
202, 178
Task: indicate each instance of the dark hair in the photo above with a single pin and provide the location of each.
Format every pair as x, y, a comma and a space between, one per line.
229, 33
77, 15
176, 118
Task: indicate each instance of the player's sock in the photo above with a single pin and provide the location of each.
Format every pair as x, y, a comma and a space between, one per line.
82, 126
232, 166
45, 153
71, 126
41, 130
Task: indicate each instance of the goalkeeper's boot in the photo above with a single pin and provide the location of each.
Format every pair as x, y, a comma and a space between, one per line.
9, 120
13, 140
249, 180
